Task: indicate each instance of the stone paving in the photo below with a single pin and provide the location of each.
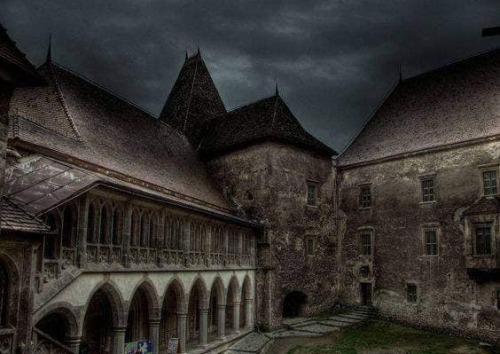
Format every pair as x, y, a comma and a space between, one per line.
257, 342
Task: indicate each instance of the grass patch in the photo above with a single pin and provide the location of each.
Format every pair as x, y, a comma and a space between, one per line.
386, 337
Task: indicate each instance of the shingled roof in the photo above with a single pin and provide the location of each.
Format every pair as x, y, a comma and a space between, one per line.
269, 119
194, 99
16, 219
15, 69
455, 104
75, 120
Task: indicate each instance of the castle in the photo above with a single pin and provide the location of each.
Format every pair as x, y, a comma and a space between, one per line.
118, 227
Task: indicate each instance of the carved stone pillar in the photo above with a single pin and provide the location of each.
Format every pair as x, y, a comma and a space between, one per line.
248, 313
74, 344
221, 321
182, 330
203, 327
236, 316
154, 330
118, 340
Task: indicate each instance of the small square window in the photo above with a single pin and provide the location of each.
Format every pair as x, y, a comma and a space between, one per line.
312, 193
483, 240
490, 183
428, 190
365, 197
309, 246
431, 242
366, 242
411, 293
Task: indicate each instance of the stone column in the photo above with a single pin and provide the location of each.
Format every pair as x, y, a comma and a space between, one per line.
118, 340
81, 240
236, 316
154, 332
127, 234
221, 321
182, 330
203, 327
74, 344
248, 313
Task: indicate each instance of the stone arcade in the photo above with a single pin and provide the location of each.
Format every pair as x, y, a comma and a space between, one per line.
118, 227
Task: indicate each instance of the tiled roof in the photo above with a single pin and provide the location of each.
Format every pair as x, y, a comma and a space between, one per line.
37, 184
194, 99
454, 104
267, 119
73, 117
15, 219
20, 70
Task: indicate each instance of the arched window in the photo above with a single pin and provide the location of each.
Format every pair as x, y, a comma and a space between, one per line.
50, 240
4, 295
173, 234
104, 222
91, 224
135, 228
69, 226
117, 227
166, 232
145, 230
152, 231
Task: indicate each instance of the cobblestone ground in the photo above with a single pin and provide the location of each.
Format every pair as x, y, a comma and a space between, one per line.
297, 331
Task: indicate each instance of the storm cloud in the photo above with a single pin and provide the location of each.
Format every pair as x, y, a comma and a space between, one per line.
334, 61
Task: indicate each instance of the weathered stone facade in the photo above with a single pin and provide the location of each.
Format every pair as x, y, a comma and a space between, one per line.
268, 182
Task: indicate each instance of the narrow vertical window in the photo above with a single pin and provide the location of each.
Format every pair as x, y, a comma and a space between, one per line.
91, 224
411, 293
365, 197
483, 240
312, 191
498, 299
117, 226
103, 230
68, 227
490, 183
431, 245
310, 246
366, 242
428, 190
4, 295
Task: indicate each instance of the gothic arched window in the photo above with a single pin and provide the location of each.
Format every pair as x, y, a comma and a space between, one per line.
103, 229
145, 230
135, 226
91, 224
50, 240
117, 227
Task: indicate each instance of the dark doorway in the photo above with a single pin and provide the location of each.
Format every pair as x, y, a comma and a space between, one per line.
98, 324
366, 294
294, 303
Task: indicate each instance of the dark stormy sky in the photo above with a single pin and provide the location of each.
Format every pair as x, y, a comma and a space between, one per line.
334, 60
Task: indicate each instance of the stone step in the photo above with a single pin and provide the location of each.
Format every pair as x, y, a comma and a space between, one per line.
295, 333
252, 343
319, 328
334, 323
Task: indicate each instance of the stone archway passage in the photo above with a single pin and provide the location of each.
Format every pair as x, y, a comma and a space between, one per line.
56, 326
168, 322
138, 318
98, 325
294, 303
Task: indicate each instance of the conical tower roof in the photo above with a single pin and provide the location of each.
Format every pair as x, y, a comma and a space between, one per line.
194, 99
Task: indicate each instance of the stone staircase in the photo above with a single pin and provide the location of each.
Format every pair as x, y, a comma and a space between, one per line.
258, 342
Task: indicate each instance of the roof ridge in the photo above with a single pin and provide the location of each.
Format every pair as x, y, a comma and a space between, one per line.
105, 89
454, 62
248, 104
60, 96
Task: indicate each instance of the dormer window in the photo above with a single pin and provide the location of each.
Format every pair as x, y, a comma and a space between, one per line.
490, 183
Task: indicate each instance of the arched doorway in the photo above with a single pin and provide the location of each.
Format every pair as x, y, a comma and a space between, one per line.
246, 304
138, 318
231, 303
216, 319
294, 303
98, 325
195, 305
171, 307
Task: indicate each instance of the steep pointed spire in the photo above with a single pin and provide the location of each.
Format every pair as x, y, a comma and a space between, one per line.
400, 74
277, 93
187, 56
49, 50
198, 52
194, 99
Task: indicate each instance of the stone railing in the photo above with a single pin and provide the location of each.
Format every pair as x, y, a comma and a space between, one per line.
99, 253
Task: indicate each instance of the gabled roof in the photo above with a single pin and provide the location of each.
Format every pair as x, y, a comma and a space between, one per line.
76, 120
194, 99
15, 69
268, 119
455, 104
485, 205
